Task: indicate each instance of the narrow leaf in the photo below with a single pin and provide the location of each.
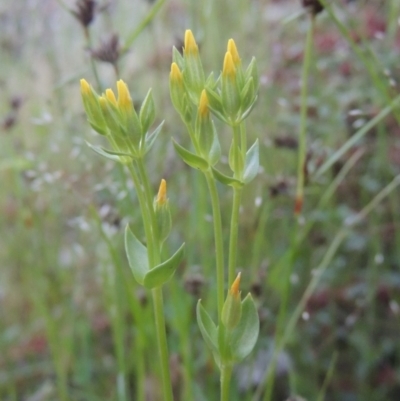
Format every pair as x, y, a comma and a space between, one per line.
252, 163
160, 274
226, 180
215, 151
150, 139
103, 153
147, 112
190, 158
137, 256
207, 328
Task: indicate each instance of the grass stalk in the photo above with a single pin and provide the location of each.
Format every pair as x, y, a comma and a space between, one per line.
379, 83
303, 119
143, 24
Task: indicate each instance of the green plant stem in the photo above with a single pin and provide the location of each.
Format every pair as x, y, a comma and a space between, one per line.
218, 237
234, 230
226, 374
149, 199
162, 343
239, 143
243, 140
154, 248
144, 22
145, 212
357, 136
303, 118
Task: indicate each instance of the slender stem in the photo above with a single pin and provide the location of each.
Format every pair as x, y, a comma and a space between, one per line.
162, 343
243, 140
145, 213
239, 142
218, 237
226, 374
233, 238
149, 199
142, 25
158, 303
303, 119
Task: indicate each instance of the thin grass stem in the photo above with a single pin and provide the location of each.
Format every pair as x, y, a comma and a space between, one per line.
303, 119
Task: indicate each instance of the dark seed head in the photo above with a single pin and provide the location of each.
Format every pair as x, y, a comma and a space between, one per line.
314, 6
85, 11
108, 51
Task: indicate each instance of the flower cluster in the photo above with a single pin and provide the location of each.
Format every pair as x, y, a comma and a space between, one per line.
117, 119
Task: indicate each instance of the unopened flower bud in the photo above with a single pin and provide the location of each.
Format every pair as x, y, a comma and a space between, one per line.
162, 212
232, 309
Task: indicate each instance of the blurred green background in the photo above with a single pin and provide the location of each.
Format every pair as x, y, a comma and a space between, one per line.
73, 323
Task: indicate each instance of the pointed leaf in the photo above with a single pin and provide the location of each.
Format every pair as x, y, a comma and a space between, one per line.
207, 328
103, 153
137, 256
160, 274
226, 180
215, 151
190, 158
98, 129
244, 336
177, 58
248, 111
236, 162
147, 112
252, 163
150, 139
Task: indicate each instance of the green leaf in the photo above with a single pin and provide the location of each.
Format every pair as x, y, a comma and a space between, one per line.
236, 162
244, 336
248, 111
160, 274
105, 153
247, 95
150, 139
224, 344
215, 104
252, 163
177, 58
137, 256
207, 327
226, 180
147, 112
98, 129
190, 158
215, 151
15, 163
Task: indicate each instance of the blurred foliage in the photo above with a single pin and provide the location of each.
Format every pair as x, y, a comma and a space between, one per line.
71, 316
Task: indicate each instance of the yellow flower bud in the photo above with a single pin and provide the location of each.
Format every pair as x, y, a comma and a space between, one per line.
162, 193
124, 98
232, 309
229, 69
235, 287
103, 103
85, 88
190, 44
232, 49
111, 97
203, 105
176, 74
